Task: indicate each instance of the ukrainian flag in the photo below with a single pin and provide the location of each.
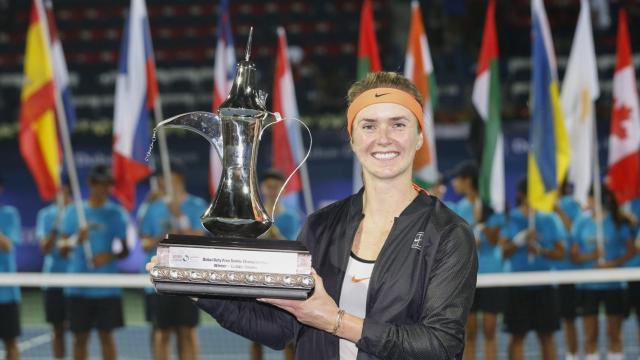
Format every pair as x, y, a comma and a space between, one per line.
549, 151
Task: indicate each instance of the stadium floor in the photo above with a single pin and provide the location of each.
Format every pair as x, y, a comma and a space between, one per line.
216, 343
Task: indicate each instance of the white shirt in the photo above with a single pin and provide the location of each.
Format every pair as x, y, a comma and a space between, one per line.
353, 298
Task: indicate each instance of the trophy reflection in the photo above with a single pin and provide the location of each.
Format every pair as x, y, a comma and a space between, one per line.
234, 262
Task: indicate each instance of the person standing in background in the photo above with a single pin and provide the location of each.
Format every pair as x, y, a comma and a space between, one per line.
286, 220
465, 182
532, 307
56, 260
271, 182
631, 210
486, 227
99, 308
10, 236
568, 210
634, 286
169, 314
618, 249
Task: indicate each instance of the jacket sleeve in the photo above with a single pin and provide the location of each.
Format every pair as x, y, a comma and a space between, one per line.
450, 290
261, 323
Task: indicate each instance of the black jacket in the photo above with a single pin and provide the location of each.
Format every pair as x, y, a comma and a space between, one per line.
420, 291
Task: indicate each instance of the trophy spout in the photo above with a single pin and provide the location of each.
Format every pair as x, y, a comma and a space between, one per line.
206, 124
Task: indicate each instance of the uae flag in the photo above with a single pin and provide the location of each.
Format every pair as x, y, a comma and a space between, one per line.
368, 55
486, 99
418, 68
368, 61
624, 139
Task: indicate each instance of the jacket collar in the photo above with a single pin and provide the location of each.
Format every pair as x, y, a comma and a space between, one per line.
421, 203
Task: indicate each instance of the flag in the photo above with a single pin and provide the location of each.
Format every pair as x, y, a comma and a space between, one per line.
60, 72
624, 139
580, 90
486, 99
368, 55
418, 68
223, 72
136, 93
549, 151
287, 150
368, 61
38, 135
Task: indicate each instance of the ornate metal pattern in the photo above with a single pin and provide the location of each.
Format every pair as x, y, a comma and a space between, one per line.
160, 273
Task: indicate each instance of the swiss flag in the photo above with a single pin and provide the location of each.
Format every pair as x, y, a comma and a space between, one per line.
624, 139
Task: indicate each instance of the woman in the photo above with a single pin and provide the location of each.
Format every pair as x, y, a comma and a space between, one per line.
617, 249
396, 269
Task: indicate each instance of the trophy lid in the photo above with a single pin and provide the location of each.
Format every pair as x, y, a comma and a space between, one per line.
243, 94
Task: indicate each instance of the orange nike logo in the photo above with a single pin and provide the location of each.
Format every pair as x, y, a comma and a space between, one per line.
357, 280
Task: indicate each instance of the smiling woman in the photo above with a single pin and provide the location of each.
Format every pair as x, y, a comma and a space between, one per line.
395, 268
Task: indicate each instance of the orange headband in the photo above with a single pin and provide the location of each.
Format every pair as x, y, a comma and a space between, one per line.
384, 95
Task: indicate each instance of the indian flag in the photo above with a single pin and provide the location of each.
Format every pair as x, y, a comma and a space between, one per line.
486, 99
418, 68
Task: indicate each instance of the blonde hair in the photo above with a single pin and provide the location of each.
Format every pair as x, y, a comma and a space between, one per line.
383, 79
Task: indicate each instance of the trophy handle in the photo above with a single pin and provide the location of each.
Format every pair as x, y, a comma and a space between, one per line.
277, 117
201, 122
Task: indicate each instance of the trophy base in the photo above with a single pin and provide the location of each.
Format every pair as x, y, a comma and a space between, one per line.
210, 290
202, 266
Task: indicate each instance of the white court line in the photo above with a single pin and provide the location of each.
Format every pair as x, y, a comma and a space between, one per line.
34, 342
30, 344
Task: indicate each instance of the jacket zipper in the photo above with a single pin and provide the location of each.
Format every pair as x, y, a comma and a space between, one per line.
346, 255
379, 259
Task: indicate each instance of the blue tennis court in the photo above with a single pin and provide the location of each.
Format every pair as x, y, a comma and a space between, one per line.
217, 343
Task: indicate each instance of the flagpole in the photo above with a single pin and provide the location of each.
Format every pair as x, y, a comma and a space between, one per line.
597, 193
162, 139
67, 149
306, 189
532, 227
164, 150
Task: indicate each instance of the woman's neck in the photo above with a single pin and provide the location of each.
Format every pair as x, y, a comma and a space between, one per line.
384, 199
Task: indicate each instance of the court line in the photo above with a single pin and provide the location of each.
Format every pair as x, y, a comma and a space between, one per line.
34, 342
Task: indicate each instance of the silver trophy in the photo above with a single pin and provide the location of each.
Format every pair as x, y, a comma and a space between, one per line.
234, 262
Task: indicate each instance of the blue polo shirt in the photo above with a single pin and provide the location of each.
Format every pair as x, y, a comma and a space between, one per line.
464, 209
572, 209
634, 207
10, 227
570, 206
615, 244
155, 220
45, 220
549, 229
288, 222
490, 258
106, 224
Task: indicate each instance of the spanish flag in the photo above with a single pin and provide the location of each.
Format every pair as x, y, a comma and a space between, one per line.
549, 151
38, 135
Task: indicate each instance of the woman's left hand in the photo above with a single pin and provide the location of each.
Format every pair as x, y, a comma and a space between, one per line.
319, 311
